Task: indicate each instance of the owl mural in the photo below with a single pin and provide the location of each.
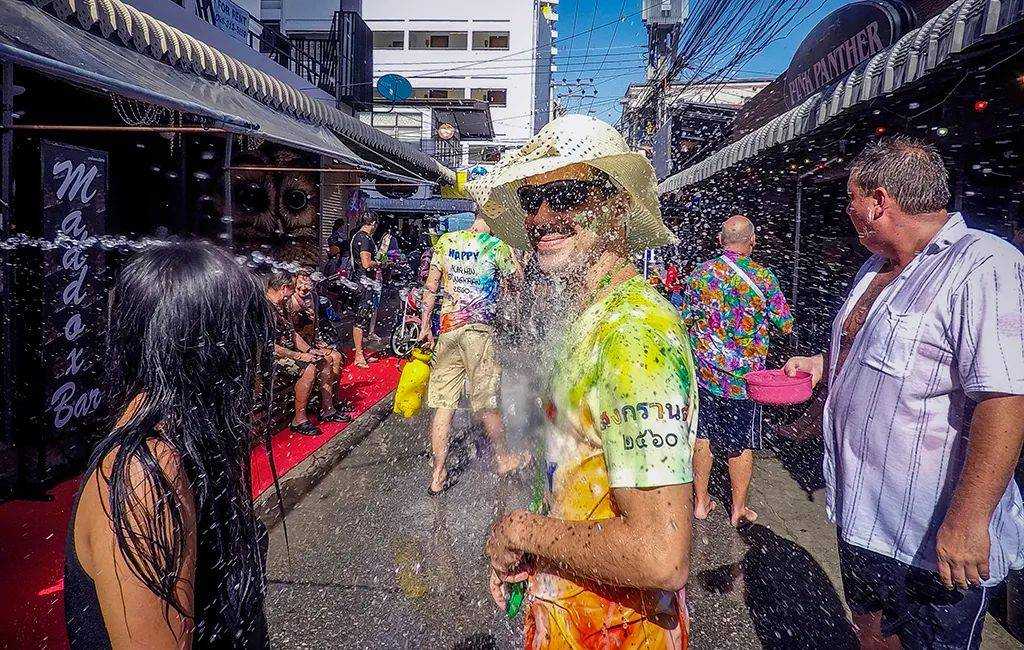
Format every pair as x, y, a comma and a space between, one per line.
277, 212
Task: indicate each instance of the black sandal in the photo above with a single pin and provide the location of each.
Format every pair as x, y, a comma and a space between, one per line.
335, 416
305, 429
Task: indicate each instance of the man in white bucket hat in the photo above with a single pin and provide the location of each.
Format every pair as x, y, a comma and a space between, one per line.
608, 557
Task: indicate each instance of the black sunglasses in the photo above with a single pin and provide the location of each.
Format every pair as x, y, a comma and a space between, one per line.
561, 195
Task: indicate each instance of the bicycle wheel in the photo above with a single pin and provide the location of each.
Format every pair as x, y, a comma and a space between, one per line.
404, 337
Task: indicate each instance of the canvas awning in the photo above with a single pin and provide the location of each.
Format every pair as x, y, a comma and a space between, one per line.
133, 54
961, 25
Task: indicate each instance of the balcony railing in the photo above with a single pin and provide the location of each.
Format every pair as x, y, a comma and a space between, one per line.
446, 152
342, 59
339, 62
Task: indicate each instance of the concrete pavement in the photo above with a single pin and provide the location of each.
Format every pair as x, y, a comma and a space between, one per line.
376, 563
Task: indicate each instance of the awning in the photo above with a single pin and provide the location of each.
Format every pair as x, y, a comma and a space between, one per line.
421, 206
472, 122
36, 40
919, 51
118, 48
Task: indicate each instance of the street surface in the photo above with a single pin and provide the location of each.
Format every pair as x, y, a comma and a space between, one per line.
376, 563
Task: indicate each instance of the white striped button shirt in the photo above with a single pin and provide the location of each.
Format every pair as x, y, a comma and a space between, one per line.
897, 418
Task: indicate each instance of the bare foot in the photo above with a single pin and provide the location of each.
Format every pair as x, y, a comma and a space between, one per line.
746, 515
702, 510
511, 462
437, 483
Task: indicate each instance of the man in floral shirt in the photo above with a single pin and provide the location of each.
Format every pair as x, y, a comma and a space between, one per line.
730, 304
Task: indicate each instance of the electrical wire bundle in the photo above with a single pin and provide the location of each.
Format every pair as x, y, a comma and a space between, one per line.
721, 36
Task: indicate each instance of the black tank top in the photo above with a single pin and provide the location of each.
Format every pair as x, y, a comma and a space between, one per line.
84, 620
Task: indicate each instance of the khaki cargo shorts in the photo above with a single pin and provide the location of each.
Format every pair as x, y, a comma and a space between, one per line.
290, 367
465, 357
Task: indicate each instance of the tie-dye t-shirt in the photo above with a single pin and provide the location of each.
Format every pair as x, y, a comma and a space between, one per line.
622, 412
729, 323
472, 265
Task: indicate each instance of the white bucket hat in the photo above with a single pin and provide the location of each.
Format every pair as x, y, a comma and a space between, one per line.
569, 140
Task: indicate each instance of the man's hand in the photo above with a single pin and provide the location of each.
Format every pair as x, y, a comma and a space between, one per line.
814, 365
504, 556
497, 585
306, 357
962, 543
426, 338
961, 550
506, 560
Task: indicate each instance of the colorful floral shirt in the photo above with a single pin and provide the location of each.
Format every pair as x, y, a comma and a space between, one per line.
729, 322
622, 412
472, 265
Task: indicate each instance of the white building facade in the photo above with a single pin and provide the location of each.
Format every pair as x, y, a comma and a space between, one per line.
499, 52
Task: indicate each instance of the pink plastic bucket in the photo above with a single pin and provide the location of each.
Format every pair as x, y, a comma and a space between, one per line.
777, 388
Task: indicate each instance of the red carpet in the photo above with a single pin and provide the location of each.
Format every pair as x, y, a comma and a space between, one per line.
362, 387
32, 534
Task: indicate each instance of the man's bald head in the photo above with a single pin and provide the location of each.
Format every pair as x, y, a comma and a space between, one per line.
737, 231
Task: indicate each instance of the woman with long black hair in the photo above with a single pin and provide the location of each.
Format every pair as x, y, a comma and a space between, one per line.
164, 549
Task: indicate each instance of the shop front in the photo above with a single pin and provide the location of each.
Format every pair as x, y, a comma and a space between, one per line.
952, 74
112, 137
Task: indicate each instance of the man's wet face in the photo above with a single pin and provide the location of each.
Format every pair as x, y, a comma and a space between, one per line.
303, 285
564, 240
859, 211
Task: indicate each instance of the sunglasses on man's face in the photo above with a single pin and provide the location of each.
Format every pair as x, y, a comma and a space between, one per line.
562, 195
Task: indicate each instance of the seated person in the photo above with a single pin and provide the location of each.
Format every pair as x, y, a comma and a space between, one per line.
298, 360
301, 311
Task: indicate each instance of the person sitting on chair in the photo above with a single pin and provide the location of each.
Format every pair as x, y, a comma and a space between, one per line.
304, 364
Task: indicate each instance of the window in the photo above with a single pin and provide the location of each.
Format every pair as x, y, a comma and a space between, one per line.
490, 40
439, 93
493, 96
483, 153
438, 40
407, 127
389, 40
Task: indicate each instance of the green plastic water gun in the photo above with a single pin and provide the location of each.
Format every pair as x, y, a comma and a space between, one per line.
517, 590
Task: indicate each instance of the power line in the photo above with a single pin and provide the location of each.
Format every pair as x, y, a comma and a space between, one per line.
559, 56
611, 41
577, 65
576, 13
531, 49
590, 37
600, 103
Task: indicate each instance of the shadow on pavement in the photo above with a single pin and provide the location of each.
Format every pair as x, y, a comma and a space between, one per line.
790, 599
477, 642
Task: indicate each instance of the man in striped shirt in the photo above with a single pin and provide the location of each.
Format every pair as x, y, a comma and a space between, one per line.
925, 413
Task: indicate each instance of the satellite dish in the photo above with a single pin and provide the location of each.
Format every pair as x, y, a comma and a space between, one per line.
394, 87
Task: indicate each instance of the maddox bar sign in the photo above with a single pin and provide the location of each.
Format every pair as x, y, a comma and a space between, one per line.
842, 41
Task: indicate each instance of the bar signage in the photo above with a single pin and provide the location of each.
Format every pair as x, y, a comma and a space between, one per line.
231, 18
74, 187
842, 41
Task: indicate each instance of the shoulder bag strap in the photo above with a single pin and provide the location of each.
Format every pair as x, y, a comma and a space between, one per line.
746, 278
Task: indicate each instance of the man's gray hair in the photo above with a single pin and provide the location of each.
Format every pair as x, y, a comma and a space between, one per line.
909, 169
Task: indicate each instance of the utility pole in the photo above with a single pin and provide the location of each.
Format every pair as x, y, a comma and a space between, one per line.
580, 89
664, 22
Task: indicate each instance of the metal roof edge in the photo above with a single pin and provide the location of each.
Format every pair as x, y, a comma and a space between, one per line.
812, 113
165, 43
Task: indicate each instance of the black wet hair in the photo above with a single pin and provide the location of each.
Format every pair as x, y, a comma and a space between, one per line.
189, 334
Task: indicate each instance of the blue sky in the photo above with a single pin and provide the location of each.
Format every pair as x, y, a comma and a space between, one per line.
613, 53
